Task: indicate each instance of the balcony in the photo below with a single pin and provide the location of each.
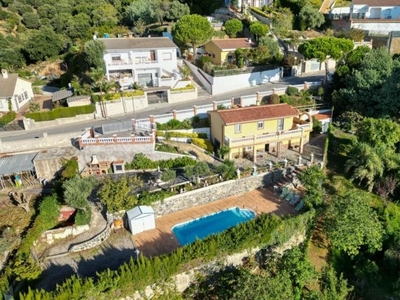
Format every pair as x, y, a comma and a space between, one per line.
120, 63
267, 138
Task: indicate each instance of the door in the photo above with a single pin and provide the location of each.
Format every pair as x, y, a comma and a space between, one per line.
145, 79
266, 148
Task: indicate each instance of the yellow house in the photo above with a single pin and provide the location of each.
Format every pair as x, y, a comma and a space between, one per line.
263, 129
223, 50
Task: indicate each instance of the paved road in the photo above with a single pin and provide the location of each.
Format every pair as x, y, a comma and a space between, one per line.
155, 109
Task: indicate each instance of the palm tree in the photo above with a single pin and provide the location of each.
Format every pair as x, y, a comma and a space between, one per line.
366, 163
97, 76
222, 151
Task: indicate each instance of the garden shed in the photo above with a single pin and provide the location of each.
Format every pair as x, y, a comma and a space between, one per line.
141, 218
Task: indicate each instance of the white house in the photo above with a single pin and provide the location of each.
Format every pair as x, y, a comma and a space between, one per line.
141, 218
377, 16
14, 89
149, 61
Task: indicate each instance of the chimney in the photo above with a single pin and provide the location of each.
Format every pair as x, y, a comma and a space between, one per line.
94, 161
4, 73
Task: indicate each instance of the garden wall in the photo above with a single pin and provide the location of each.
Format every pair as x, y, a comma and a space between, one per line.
181, 96
30, 124
215, 192
123, 106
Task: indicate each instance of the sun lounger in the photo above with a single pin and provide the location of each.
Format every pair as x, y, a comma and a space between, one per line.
295, 199
299, 206
289, 196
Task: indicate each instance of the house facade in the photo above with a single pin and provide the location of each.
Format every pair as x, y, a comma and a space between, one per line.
15, 90
148, 61
375, 16
252, 130
223, 50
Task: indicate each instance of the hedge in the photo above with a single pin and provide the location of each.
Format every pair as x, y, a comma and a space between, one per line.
188, 87
181, 134
7, 118
135, 275
61, 112
260, 12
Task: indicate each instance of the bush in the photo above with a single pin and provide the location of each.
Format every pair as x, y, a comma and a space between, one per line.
61, 112
83, 217
292, 91
168, 175
142, 162
188, 87
201, 61
204, 144
175, 124
166, 148
147, 198
181, 134
95, 98
274, 99
7, 118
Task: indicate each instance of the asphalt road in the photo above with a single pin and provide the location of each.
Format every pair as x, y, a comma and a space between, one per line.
154, 109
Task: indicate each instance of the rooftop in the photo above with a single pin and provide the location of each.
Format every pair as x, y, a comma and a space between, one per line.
322, 116
77, 98
138, 43
60, 95
256, 113
12, 164
377, 2
7, 85
232, 44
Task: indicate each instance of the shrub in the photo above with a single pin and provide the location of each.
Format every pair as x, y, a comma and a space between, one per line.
166, 148
7, 118
147, 198
175, 124
34, 106
292, 91
274, 99
82, 217
142, 162
201, 61
204, 144
61, 112
95, 98
181, 134
168, 175
186, 88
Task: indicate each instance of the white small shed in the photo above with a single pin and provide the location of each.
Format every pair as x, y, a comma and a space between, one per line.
141, 218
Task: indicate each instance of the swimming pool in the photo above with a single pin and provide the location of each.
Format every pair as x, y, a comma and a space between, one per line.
203, 227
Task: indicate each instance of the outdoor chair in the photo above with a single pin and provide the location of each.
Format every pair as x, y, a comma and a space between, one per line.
289, 196
284, 192
295, 199
299, 206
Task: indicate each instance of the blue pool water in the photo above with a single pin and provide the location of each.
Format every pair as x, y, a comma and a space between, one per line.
205, 226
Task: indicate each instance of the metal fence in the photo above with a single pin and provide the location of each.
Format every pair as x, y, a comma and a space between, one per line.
116, 127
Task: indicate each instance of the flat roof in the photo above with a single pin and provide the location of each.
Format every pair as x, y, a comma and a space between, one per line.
11, 164
137, 43
60, 95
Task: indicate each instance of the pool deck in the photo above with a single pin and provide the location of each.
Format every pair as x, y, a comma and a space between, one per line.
162, 240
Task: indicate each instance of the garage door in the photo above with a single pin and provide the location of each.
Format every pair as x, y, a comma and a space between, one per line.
145, 79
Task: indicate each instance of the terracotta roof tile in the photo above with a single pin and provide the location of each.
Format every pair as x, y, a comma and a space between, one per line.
322, 116
377, 2
255, 113
228, 44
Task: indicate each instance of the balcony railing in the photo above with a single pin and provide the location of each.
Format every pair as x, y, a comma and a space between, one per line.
120, 62
269, 137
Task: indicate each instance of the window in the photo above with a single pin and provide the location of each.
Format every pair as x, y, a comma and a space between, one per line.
116, 57
280, 124
20, 98
260, 125
167, 56
249, 148
26, 95
238, 128
1, 104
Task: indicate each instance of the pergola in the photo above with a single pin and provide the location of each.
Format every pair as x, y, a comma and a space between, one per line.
17, 170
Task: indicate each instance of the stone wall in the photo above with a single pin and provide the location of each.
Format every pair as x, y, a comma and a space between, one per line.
93, 242
181, 96
61, 233
214, 192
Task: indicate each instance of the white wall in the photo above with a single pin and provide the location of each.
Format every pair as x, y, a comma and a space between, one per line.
227, 84
393, 11
124, 105
21, 87
376, 28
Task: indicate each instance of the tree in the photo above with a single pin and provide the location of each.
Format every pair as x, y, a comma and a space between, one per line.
282, 22
77, 190
271, 46
168, 175
43, 44
21, 200
232, 27
310, 18
141, 161
31, 20
97, 76
176, 10
223, 150
332, 286
94, 52
139, 27
194, 30
141, 9
105, 15
118, 195
185, 71
350, 223
259, 29
227, 169
312, 179
78, 27
324, 48
377, 132
199, 169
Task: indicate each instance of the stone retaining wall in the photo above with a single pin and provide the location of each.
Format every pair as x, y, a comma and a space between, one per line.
93, 242
215, 192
